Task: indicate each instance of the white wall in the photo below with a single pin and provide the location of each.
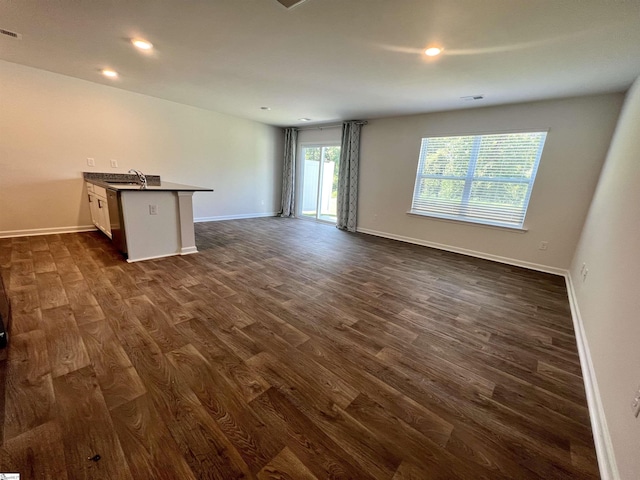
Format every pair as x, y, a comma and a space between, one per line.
579, 135
50, 124
609, 298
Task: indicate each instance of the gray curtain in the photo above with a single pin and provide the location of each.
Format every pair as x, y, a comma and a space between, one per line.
348, 176
289, 172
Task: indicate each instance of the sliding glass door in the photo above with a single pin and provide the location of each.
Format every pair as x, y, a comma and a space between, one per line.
319, 185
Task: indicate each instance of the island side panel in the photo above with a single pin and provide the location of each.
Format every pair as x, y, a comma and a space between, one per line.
148, 235
187, 232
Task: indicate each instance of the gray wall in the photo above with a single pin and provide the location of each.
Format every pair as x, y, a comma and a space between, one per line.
580, 130
609, 297
51, 123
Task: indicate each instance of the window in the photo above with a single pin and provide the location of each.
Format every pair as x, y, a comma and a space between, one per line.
478, 178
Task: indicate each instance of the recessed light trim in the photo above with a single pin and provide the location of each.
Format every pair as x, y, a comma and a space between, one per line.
433, 51
142, 44
265, 108
107, 72
304, 119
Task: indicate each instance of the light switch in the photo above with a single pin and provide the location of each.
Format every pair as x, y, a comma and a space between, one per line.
91, 162
114, 163
153, 209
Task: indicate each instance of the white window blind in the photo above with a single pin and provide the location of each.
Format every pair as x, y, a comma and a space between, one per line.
478, 178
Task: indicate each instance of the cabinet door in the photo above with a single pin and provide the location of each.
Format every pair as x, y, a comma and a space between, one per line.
103, 216
93, 208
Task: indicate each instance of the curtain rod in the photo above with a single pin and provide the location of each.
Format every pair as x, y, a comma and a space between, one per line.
323, 127
319, 127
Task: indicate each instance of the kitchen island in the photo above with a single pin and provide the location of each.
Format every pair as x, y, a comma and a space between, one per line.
144, 222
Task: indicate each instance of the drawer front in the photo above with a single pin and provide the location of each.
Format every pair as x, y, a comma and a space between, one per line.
100, 191
90, 187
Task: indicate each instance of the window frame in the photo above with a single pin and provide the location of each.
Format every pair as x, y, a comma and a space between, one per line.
470, 178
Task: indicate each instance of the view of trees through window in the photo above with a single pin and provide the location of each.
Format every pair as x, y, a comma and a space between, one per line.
331, 154
479, 177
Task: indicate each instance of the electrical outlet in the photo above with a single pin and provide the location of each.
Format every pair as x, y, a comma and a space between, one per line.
114, 163
585, 272
91, 162
635, 405
153, 209
543, 245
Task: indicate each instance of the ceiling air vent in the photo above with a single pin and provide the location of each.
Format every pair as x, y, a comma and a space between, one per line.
471, 98
8, 33
290, 3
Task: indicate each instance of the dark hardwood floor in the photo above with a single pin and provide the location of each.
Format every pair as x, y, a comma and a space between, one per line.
287, 349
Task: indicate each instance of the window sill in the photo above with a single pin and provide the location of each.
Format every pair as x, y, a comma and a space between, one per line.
468, 222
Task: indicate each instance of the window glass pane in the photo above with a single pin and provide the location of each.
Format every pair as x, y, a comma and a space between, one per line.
329, 188
499, 202
451, 190
441, 196
511, 155
310, 176
447, 156
498, 194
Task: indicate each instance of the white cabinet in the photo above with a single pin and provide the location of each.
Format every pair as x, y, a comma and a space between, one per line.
99, 208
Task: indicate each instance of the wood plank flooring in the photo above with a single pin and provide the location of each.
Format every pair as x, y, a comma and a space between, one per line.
287, 349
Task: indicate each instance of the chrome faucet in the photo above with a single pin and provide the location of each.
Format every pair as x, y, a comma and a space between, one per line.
141, 177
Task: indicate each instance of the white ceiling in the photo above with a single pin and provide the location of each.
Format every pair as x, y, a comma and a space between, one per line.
332, 60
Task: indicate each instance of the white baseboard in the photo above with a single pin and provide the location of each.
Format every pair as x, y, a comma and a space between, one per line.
188, 250
46, 231
234, 217
464, 251
601, 436
89, 228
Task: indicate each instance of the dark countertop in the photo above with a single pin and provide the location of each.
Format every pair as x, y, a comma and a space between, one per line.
157, 186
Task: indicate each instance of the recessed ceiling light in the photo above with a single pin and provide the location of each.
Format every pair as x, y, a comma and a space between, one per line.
432, 51
265, 108
142, 44
107, 72
304, 119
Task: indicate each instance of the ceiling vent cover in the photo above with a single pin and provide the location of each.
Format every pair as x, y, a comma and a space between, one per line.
471, 98
290, 3
8, 33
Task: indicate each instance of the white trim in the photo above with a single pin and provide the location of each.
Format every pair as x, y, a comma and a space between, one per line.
47, 231
235, 217
451, 219
464, 251
602, 438
188, 250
